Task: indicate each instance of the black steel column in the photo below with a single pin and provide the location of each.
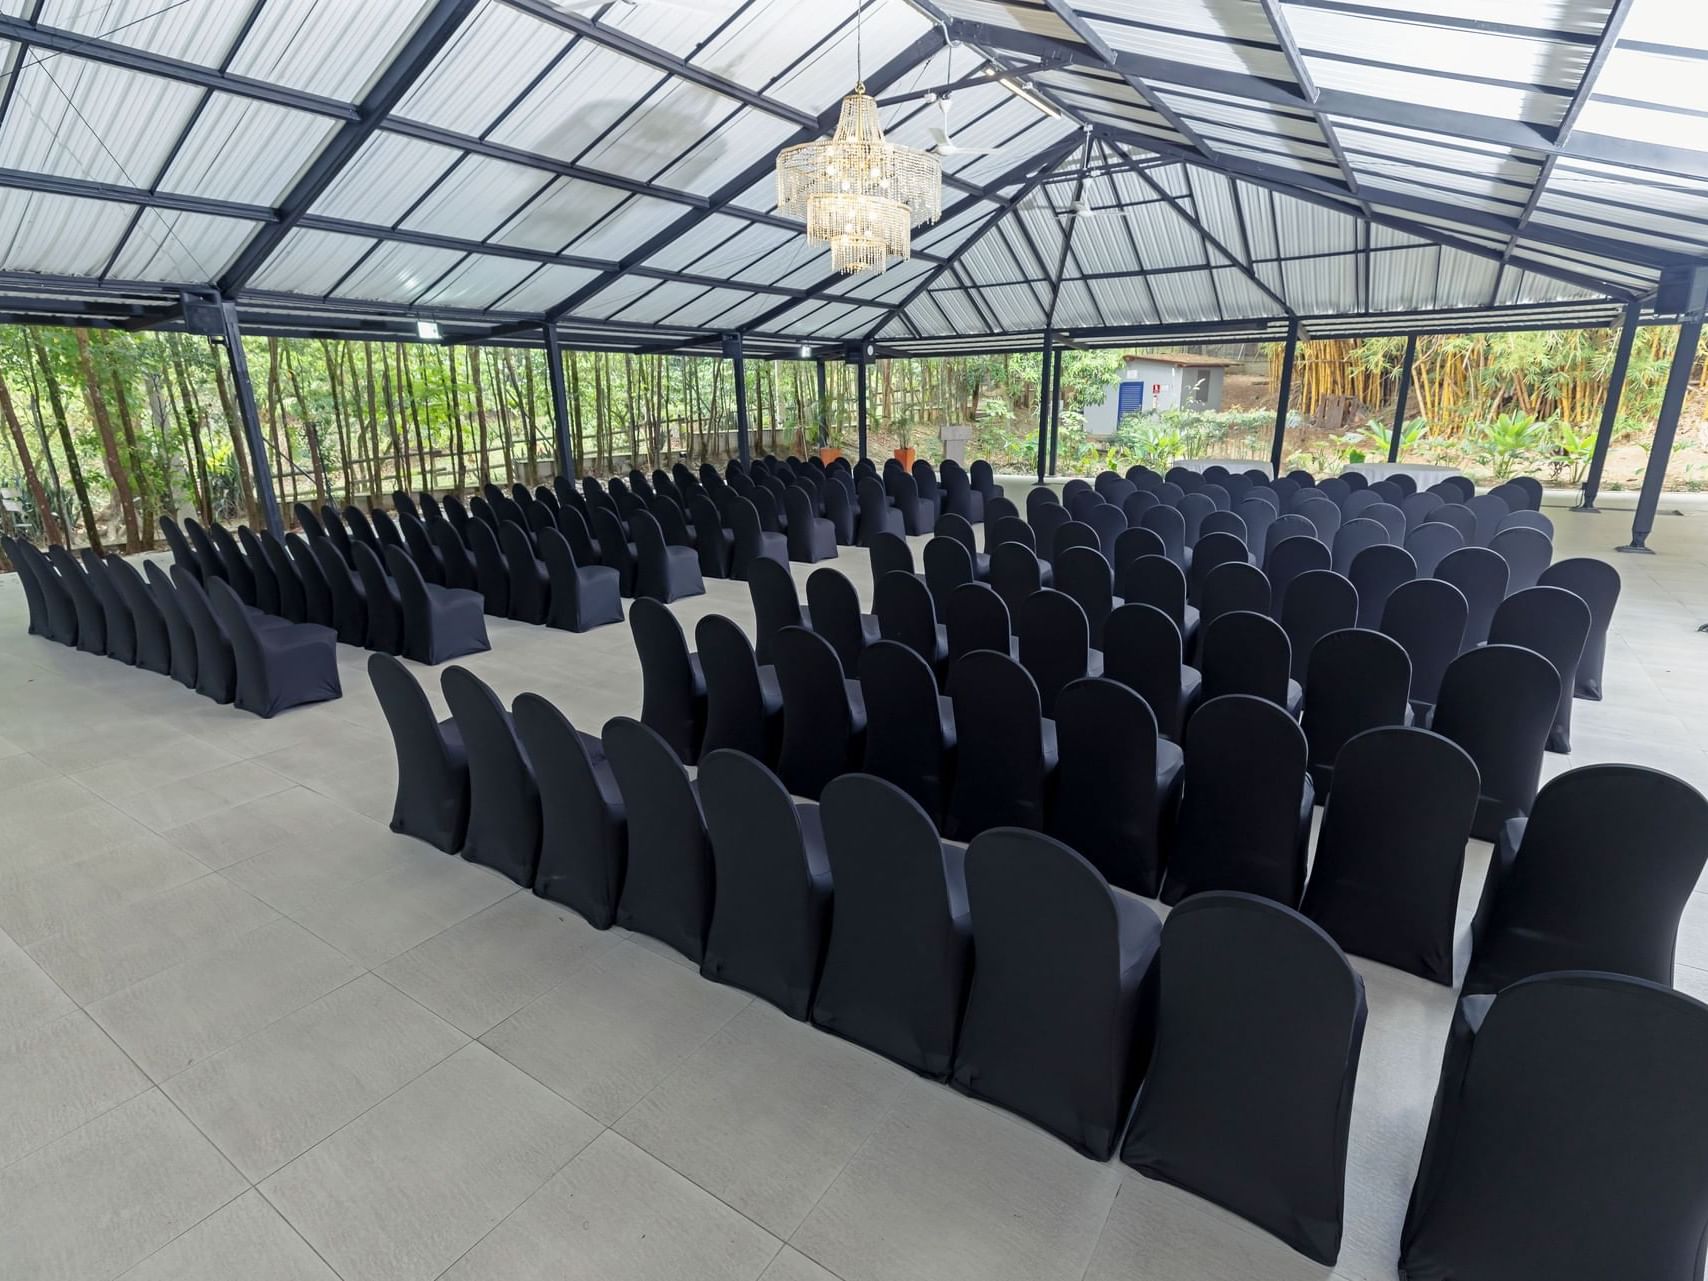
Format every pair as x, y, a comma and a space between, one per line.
1666, 426
1610, 411
1044, 406
860, 379
1282, 398
732, 349
1056, 409
560, 403
258, 461
823, 406
1401, 398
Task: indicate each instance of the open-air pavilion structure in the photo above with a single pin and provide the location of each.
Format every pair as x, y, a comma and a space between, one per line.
1133, 172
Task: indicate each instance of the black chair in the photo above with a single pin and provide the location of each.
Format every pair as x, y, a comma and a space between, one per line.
403, 504
385, 531
839, 511
1167, 524
1323, 514
1390, 518
918, 513
1210, 552
1144, 655
744, 704
776, 604
1527, 553
1110, 523
713, 542
35, 602
317, 600
977, 618
1245, 818
771, 912
1596, 878
1055, 644
454, 555
1289, 559
752, 543
277, 667
824, 715
504, 823
1319, 601
183, 554
667, 881
216, 672
1117, 783
528, 599
432, 767
1597, 583
811, 538
876, 515
1248, 1102
491, 570
456, 515
1062, 1041
572, 524
1480, 576
1005, 751
1489, 510
1389, 859
1015, 573
1569, 1138
1135, 505
383, 601
1376, 572
673, 697
1356, 536
615, 549
1158, 581
1284, 527
1083, 574
237, 570
900, 950
1359, 680
153, 640
207, 554
261, 572
663, 572
834, 607
582, 596
1427, 617
439, 623
1497, 702
906, 614
948, 565
1247, 653
1429, 543
910, 729
181, 638
1133, 543
360, 530
90, 611
1462, 519
120, 626
288, 582
1555, 623
889, 552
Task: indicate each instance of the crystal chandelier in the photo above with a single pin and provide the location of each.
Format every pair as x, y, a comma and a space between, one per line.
858, 193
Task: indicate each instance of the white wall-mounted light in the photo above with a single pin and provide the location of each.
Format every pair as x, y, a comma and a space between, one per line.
427, 329
806, 352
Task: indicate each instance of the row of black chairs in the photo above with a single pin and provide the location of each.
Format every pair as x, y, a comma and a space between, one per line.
209, 641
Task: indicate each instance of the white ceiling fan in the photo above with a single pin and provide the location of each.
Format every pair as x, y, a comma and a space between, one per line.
693, 6
1081, 209
941, 141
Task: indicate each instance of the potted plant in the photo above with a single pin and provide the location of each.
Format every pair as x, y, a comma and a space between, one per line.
904, 452
827, 453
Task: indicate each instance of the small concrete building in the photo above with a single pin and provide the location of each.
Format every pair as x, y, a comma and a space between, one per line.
1152, 381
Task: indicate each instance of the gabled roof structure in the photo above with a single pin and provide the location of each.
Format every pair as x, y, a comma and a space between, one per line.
1157, 170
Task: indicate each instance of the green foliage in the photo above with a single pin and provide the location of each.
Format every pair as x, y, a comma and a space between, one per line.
1572, 448
1509, 440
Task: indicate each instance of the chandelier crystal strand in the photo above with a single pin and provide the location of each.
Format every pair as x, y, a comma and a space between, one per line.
858, 193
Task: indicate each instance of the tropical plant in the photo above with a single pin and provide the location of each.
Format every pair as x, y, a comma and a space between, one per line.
1572, 448
1508, 440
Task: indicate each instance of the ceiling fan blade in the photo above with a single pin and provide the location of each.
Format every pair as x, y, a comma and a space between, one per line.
940, 138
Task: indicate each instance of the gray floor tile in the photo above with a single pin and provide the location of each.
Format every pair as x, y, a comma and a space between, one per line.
201, 795
948, 1189
243, 1241
56, 1077
46, 899
407, 1188
607, 1036
41, 838
294, 817
96, 1201
791, 1265
112, 950
166, 762
28, 997
616, 1214
483, 969
197, 1008
19, 770
321, 863
765, 1114
271, 1097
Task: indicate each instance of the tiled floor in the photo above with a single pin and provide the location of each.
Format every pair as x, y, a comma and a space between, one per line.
246, 1032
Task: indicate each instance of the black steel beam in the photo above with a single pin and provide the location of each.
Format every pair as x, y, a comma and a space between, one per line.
823, 406
1610, 409
560, 402
1666, 428
737, 353
1401, 396
416, 55
860, 380
1283, 398
1056, 409
259, 464
1044, 405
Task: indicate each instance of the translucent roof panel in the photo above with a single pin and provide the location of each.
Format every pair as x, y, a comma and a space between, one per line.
82, 119
198, 31
219, 156
332, 47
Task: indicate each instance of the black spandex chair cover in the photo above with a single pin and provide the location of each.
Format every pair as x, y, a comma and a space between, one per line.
1016, 572
216, 673
1569, 1139
1064, 1043
491, 570
663, 572
384, 603
504, 798
776, 604
1597, 583
1247, 653
360, 530
439, 623
584, 825
1389, 859
810, 537
714, 543
910, 729
153, 641
432, 768
267, 598
1358, 680
278, 667
288, 582
1555, 623
420, 544
582, 596
744, 704
1005, 751
1480, 576
88, 629
1117, 783
334, 526
1144, 655
35, 602
180, 638
1357, 535
1133, 543
876, 515
317, 603
207, 554
1429, 543
349, 600
1055, 644
1248, 1102
977, 618
121, 627
1489, 510
1527, 553
62, 618
1289, 559
1083, 574
454, 555
237, 570
833, 604
1245, 819
771, 912
753, 543
824, 715
1596, 879
182, 554
1167, 524
667, 883
1235, 585
1375, 573
1319, 601
1427, 617
918, 513
896, 969
948, 565
907, 615
530, 587
673, 698
1497, 702
888, 553
1324, 514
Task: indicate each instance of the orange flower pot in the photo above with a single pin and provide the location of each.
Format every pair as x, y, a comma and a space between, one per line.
905, 457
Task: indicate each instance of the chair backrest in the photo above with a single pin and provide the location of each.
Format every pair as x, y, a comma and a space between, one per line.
904, 728
1318, 602
1008, 529
1212, 550
1246, 653
1109, 523
1489, 510
1083, 502
1480, 575
1106, 784
1055, 643
1233, 585
997, 508
492, 570
1355, 536
613, 542
948, 565
975, 618
573, 526
1526, 551
736, 715
818, 724
834, 605
1418, 508
415, 734
1498, 702
254, 680
453, 554
1555, 623
1337, 489
776, 605
1142, 650
983, 477
1597, 583
1136, 504
1322, 512
671, 704
1158, 581
1427, 617
1083, 573
1429, 542
889, 553
1224, 522
1015, 573
1358, 680
385, 621
1375, 572
318, 604
906, 613
1193, 508
1289, 559
266, 582
999, 745
1167, 524
1134, 542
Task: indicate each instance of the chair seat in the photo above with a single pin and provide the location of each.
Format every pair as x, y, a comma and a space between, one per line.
1170, 760
1295, 698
